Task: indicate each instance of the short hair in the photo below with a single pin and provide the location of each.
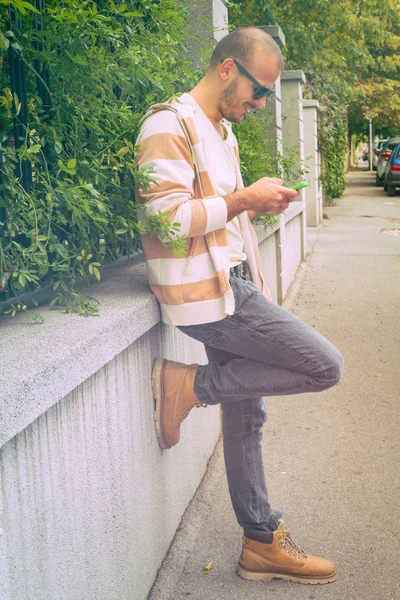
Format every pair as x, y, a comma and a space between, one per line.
242, 44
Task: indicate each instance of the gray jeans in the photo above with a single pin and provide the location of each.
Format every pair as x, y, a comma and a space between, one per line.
261, 350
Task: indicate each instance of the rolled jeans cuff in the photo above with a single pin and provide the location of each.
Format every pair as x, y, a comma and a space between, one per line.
199, 390
273, 523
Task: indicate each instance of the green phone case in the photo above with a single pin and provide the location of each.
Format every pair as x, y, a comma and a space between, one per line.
299, 186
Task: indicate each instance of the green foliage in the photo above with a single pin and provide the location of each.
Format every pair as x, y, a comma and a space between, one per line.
333, 146
159, 226
347, 48
259, 156
107, 62
18, 308
256, 147
256, 152
349, 51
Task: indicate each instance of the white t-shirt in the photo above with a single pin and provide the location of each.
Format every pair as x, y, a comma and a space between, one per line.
220, 159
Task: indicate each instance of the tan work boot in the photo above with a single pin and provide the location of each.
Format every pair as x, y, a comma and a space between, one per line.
174, 397
282, 559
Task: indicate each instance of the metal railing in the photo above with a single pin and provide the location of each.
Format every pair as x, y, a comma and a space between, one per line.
18, 136
18, 87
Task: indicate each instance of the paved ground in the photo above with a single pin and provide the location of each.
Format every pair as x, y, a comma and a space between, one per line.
331, 458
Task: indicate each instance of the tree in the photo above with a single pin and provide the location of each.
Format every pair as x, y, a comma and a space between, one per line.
349, 51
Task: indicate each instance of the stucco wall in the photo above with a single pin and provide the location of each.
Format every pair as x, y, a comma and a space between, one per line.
90, 502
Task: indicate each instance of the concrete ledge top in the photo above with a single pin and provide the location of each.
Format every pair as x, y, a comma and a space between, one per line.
275, 32
310, 104
265, 231
42, 363
294, 76
294, 209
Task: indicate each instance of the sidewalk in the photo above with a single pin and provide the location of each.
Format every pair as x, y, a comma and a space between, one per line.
331, 458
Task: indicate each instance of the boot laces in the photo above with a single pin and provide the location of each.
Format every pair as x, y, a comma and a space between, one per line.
291, 547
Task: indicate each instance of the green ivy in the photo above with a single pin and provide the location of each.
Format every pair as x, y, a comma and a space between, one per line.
107, 62
333, 147
259, 156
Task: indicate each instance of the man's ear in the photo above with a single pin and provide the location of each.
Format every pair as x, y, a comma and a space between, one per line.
225, 69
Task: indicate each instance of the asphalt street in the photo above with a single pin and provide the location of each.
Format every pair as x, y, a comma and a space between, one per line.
331, 459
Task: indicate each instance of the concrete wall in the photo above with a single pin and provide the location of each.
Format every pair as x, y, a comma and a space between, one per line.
89, 504
292, 120
292, 250
282, 249
314, 192
274, 102
220, 19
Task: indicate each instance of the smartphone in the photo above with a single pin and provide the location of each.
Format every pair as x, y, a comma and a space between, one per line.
299, 186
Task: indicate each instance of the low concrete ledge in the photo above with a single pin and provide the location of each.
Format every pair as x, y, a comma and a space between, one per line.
43, 363
311, 104
276, 33
89, 503
293, 76
265, 231
295, 208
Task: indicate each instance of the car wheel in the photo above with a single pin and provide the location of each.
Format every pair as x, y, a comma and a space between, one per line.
392, 190
385, 187
378, 180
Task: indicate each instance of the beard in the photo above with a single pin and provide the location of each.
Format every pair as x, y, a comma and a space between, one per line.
228, 105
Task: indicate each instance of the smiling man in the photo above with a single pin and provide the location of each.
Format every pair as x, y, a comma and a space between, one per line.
216, 294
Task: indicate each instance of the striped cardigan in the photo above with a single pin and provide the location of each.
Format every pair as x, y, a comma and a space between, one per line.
194, 288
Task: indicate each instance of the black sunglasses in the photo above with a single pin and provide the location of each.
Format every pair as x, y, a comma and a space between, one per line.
261, 90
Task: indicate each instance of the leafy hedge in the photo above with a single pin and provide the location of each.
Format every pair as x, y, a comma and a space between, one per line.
257, 156
107, 63
333, 146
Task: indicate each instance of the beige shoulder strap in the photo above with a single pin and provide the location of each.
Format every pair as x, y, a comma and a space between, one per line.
158, 107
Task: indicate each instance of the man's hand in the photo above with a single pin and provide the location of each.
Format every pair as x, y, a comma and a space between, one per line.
267, 195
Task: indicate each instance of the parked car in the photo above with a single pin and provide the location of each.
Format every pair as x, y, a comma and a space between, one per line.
392, 171
383, 158
376, 151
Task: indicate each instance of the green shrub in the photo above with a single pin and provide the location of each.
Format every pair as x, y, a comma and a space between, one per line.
333, 147
107, 62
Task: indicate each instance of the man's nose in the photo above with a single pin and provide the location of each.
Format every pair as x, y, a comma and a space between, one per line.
261, 102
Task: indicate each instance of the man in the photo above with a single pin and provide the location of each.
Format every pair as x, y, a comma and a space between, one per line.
215, 293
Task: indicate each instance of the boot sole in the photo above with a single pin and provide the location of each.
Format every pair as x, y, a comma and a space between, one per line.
158, 395
256, 576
